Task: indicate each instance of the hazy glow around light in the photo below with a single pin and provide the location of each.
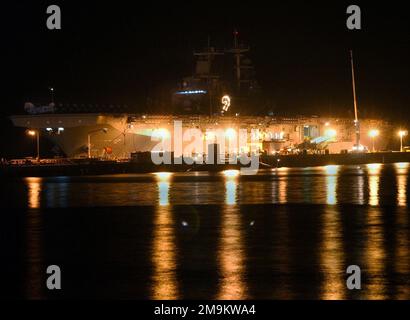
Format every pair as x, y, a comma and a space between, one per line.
374, 133
331, 133
31, 133
402, 133
210, 136
161, 133
230, 133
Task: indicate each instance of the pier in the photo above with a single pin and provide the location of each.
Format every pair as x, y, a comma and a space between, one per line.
80, 167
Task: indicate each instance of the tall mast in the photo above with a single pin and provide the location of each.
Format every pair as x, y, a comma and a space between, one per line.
208, 80
238, 60
238, 52
207, 57
356, 117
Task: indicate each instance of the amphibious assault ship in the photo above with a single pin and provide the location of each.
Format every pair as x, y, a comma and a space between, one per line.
208, 100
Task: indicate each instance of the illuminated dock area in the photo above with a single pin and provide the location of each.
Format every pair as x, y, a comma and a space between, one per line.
75, 167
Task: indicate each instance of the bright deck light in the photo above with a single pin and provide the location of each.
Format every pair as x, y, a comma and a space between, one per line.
31, 133
160, 133
330, 133
374, 133
230, 133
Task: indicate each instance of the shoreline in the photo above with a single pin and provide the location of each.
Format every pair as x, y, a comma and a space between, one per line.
96, 167
313, 160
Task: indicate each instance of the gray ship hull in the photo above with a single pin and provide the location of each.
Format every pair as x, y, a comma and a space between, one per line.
128, 133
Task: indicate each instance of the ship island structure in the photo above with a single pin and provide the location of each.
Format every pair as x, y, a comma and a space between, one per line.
203, 101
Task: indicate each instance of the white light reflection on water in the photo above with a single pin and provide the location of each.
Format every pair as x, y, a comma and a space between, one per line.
331, 184
231, 185
230, 192
163, 184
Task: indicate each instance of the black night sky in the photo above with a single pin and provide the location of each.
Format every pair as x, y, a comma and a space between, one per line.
125, 54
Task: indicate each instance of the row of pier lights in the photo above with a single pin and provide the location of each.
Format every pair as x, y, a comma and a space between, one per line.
36, 133
373, 134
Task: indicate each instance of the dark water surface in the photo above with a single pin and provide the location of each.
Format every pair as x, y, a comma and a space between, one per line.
282, 234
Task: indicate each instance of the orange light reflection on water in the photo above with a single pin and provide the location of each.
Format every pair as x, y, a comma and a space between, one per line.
231, 250
332, 256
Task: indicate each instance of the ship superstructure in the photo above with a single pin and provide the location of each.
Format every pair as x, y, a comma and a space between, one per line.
218, 73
